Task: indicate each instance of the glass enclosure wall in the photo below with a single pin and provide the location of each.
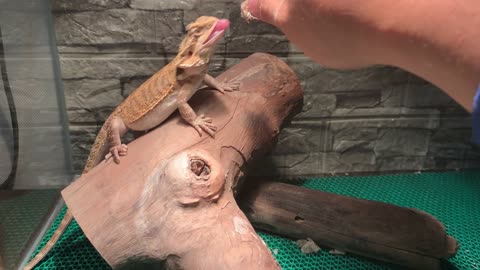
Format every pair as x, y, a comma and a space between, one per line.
31, 76
34, 146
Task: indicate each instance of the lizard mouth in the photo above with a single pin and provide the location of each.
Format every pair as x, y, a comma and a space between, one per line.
217, 32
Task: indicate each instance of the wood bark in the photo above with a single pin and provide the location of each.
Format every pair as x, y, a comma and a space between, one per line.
170, 202
386, 232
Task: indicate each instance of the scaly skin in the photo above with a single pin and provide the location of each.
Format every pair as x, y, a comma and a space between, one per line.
151, 103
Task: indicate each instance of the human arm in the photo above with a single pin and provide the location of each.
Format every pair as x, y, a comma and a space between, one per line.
438, 42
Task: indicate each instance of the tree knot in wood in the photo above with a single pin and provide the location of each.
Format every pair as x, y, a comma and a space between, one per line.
299, 219
206, 168
199, 167
197, 176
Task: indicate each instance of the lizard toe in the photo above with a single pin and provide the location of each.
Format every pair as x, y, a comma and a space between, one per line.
221, 90
198, 129
209, 128
207, 120
209, 131
231, 86
114, 151
122, 150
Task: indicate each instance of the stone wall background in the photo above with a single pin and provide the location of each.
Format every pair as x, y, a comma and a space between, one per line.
379, 119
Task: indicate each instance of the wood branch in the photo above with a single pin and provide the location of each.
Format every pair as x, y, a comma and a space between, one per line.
386, 232
170, 202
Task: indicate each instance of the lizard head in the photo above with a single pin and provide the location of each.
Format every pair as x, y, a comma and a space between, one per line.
200, 42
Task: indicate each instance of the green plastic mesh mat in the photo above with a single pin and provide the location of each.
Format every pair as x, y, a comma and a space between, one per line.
21, 212
452, 197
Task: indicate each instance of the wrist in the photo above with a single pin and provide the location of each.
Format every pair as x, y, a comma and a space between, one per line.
436, 42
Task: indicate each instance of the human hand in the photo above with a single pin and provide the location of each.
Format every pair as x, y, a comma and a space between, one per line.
338, 34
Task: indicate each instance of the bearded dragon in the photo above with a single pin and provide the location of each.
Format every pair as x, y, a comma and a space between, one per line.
155, 100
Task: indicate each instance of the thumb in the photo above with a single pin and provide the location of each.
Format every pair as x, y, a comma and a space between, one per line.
269, 11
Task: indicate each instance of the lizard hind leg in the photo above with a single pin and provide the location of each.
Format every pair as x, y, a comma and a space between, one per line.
116, 128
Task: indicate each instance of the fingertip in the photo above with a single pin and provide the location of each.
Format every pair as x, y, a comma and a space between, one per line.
253, 8
250, 10
265, 10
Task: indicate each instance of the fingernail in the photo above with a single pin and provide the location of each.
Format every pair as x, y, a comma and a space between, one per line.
249, 10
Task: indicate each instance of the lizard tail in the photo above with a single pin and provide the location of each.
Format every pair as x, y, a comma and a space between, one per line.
97, 154
53, 240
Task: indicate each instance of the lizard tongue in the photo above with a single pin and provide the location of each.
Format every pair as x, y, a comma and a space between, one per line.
221, 26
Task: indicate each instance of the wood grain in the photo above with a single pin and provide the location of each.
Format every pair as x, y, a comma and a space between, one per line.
386, 232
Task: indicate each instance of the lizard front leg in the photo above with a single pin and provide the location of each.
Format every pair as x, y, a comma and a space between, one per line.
220, 86
198, 122
116, 128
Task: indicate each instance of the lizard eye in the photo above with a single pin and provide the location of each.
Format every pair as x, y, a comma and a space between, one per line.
197, 32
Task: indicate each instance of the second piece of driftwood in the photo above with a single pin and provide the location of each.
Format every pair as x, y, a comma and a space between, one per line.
386, 232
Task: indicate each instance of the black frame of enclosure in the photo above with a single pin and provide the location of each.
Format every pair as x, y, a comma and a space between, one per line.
10, 181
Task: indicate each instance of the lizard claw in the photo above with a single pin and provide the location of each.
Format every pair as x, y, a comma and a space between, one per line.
223, 87
221, 90
116, 152
229, 86
205, 124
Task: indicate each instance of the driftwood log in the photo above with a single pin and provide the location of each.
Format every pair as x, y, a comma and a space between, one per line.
170, 202
386, 232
